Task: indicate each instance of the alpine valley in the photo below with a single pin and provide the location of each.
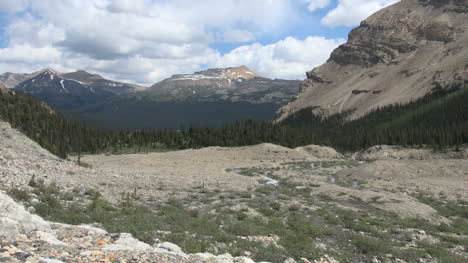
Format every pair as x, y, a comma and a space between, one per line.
366, 160
208, 98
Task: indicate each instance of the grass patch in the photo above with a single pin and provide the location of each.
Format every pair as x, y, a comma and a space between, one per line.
372, 246
20, 194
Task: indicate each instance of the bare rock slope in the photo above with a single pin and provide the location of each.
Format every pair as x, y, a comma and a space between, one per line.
395, 56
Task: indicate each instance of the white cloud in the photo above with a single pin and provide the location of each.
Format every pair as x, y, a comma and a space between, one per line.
27, 53
352, 12
125, 6
287, 58
14, 5
144, 41
29, 30
238, 36
317, 4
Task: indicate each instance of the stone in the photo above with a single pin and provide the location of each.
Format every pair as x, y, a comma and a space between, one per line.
127, 242
243, 260
15, 220
49, 238
170, 247
49, 260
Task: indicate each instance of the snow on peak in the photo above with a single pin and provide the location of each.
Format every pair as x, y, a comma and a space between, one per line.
63, 86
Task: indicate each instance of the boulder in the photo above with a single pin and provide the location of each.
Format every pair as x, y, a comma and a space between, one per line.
169, 247
127, 242
15, 220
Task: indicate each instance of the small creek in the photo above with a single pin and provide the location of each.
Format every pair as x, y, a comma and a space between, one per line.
269, 180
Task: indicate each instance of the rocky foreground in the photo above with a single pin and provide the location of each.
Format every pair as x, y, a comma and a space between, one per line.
28, 238
310, 204
25, 237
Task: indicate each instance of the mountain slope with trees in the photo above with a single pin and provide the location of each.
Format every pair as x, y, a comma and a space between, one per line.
209, 98
439, 119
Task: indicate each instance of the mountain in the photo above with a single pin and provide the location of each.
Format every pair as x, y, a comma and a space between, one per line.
207, 98
11, 80
397, 55
61, 93
236, 84
99, 83
69, 90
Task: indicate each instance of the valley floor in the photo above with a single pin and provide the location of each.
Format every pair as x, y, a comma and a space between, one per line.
265, 202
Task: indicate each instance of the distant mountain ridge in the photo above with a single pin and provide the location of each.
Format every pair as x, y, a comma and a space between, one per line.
206, 98
235, 84
66, 90
11, 80
211, 97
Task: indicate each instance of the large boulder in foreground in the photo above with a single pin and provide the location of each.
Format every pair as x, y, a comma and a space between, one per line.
15, 220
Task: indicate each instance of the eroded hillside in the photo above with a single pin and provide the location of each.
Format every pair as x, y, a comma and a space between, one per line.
395, 56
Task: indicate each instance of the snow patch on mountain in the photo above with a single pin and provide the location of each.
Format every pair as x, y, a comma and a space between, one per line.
63, 87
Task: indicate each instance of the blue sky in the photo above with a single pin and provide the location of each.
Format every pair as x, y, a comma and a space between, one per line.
144, 41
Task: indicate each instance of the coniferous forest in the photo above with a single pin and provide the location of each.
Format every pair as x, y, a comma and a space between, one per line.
439, 119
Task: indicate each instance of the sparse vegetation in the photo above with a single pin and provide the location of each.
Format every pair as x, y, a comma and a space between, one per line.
270, 222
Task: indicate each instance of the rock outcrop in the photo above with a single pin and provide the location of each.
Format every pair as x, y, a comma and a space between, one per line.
28, 238
397, 55
16, 221
387, 152
3, 88
318, 151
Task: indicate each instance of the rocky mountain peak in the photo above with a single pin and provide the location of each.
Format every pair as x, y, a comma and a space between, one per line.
232, 84
66, 90
11, 80
232, 73
397, 55
83, 76
239, 72
50, 71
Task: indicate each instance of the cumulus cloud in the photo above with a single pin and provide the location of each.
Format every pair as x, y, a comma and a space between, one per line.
25, 52
287, 58
32, 31
14, 5
238, 36
149, 39
352, 12
317, 4
144, 41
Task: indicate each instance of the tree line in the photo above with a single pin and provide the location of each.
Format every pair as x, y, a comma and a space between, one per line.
439, 119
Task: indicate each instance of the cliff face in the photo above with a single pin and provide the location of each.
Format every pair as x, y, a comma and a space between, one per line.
395, 56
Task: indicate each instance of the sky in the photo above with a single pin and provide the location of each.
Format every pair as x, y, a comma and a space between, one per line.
145, 41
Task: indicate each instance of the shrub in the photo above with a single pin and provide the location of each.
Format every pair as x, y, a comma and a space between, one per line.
20, 194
